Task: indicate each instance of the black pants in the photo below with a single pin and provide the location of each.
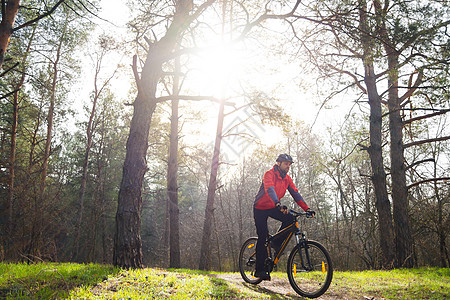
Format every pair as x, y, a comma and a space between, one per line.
262, 230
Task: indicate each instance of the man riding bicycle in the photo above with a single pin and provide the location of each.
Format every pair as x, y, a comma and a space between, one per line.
267, 204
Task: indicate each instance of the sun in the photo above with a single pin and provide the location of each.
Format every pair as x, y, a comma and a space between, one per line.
218, 69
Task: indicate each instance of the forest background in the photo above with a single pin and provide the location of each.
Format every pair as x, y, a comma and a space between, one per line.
142, 138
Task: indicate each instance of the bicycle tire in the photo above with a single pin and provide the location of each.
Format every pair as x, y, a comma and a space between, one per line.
247, 261
310, 280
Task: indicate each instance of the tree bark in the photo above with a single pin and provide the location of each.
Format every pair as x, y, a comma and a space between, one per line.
14, 124
382, 204
127, 240
403, 238
9, 13
205, 252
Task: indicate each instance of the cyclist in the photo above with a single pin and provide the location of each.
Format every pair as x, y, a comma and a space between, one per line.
267, 204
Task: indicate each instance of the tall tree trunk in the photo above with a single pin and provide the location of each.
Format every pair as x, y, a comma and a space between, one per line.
50, 115
14, 125
403, 238
127, 239
205, 252
6, 26
89, 134
36, 228
172, 173
382, 204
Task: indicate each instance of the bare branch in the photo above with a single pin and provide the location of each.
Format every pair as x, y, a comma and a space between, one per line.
136, 74
9, 94
428, 180
414, 87
200, 10
149, 42
227, 133
40, 16
266, 16
12, 68
440, 139
444, 111
419, 162
237, 109
355, 79
363, 147
191, 98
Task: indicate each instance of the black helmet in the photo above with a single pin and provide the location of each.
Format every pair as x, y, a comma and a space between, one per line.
285, 157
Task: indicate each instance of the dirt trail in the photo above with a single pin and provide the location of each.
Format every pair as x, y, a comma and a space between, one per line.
279, 288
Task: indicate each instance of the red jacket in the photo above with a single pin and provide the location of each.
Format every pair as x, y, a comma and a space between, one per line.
274, 187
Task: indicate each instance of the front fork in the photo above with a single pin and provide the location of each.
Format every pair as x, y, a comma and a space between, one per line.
304, 256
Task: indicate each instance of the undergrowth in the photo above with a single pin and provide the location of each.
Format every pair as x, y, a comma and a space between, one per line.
94, 281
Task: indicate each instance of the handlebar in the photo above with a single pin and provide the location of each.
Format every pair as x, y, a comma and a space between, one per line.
298, 214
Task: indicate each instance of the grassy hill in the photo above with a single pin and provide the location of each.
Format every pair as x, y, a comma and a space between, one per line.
93, 281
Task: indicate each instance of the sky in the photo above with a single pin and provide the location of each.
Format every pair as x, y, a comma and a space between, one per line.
115, 11
113, 17
283, 84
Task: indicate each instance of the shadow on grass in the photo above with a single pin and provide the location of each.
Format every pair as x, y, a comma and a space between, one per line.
49, 280
272, 293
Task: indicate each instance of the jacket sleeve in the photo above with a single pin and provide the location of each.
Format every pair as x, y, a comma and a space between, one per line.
269, 186
296, 195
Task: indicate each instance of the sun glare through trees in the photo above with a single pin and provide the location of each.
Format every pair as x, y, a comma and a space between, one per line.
98, 107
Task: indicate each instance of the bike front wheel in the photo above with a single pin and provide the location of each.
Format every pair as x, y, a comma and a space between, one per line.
309, 269
247, 261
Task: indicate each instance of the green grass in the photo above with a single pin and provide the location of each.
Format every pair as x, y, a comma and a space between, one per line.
93, 281
49, 280
156, 284
423, 283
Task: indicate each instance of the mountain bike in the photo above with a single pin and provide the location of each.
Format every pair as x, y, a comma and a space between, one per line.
309, 266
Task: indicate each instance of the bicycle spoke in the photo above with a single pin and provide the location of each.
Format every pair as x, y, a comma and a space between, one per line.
309, 270
247, 261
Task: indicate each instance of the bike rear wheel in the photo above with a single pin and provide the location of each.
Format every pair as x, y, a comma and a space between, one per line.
309, 269
247, 261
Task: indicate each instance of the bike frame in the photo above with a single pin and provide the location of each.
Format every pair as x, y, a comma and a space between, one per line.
294, 228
